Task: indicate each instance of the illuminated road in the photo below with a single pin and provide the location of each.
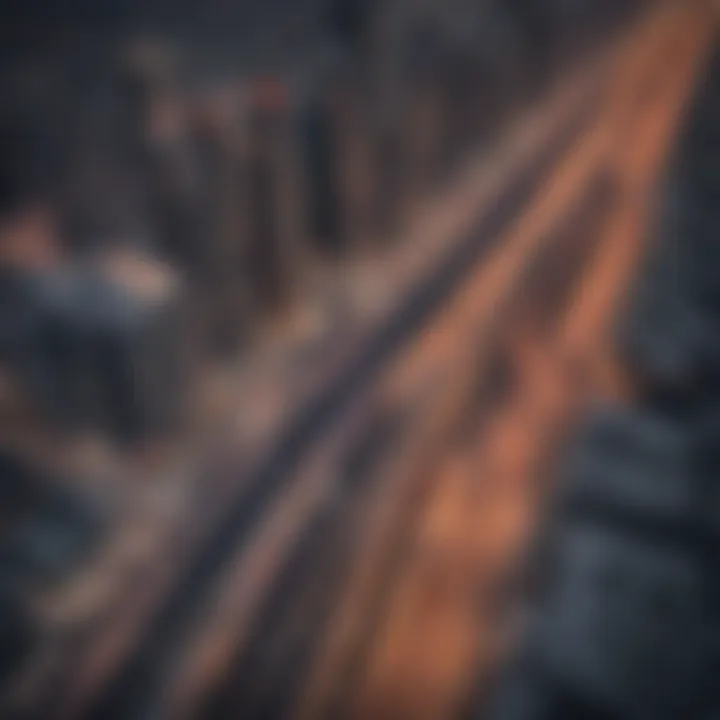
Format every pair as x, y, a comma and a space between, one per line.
443, 618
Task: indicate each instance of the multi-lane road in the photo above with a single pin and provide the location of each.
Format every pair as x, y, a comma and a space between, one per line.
443, 610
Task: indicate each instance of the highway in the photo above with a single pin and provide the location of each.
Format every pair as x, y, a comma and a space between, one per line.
361, 554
